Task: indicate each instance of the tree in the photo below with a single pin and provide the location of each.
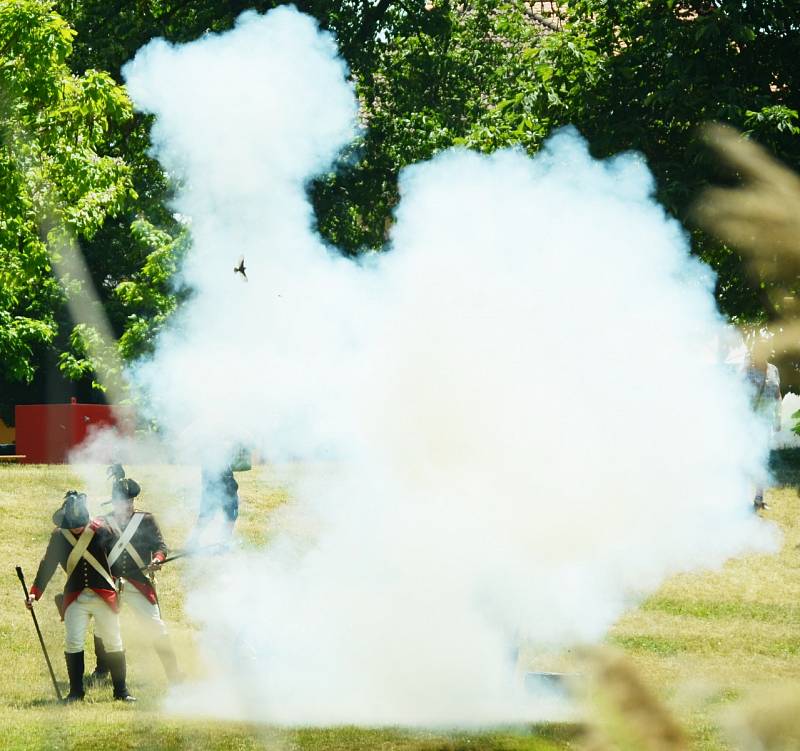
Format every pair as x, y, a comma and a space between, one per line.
58, 177
446, 76
484, 74
424, 75
427, 76
659, 70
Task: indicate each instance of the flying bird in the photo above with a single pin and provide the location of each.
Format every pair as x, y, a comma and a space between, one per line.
239, 268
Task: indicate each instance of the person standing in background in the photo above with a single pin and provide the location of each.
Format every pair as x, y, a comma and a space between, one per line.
219, 494
765, 384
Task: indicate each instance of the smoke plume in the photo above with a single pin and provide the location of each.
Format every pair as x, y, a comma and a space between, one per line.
514, 420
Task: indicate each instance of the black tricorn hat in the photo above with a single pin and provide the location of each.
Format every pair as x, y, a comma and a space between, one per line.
125, 489
73, 512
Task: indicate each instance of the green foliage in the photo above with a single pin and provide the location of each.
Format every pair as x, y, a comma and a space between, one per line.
667, 67
89, 354
482, 74
149, 297
446, 76
56, 174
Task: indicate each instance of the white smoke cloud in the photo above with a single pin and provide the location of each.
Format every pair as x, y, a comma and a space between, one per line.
525, 429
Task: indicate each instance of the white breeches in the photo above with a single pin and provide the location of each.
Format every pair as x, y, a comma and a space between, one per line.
106, 623
146, 612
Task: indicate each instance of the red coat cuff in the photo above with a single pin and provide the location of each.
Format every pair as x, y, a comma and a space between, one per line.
36, 592
159, 556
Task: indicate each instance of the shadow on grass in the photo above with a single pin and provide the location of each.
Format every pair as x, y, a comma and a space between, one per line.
784, 465
41, 702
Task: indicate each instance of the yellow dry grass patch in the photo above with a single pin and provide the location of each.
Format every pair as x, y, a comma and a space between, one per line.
709, 641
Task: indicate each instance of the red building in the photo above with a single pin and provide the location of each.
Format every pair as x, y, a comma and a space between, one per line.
46, 433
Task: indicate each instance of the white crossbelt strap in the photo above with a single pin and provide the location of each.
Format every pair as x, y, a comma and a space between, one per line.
78, 546
79, 550
124, 542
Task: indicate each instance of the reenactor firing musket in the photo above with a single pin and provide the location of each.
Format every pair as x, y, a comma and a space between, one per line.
137, 539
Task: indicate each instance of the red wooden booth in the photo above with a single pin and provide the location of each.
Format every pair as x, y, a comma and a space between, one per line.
46, 433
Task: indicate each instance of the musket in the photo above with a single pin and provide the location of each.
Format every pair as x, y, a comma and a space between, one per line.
39, 633
185, 553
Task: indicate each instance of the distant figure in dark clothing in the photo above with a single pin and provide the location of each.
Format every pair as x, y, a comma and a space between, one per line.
219, 493
765, 384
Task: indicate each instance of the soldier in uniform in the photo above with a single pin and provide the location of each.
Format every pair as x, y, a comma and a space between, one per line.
80, 546
138, 549
219, 494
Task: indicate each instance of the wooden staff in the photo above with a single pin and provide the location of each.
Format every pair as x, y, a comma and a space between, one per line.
39, 633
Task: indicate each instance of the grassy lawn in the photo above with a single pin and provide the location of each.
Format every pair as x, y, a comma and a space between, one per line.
704, 643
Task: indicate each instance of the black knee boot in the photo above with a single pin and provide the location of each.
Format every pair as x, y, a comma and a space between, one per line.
166, 654
116, 665
75, 673
101, 670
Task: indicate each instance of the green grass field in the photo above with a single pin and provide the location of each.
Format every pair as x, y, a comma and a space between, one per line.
706, 644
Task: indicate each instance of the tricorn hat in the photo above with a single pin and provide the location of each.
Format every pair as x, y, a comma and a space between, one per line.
125, 489
73, 512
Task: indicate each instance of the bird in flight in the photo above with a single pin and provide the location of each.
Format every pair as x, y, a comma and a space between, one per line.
239, 268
